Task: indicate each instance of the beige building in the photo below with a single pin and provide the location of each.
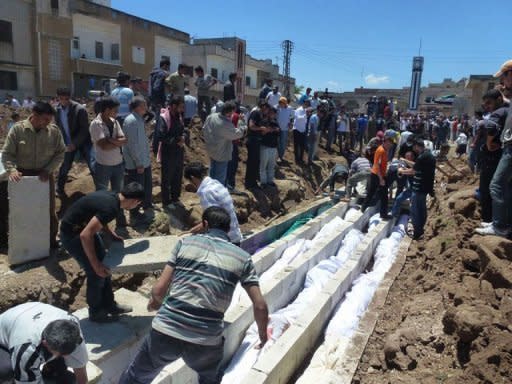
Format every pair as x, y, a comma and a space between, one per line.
479, 84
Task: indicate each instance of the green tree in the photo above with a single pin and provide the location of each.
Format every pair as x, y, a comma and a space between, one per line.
298, 89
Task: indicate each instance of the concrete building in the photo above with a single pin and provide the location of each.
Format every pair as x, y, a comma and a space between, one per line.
478, 85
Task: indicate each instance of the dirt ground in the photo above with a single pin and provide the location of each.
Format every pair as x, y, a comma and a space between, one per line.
448, 315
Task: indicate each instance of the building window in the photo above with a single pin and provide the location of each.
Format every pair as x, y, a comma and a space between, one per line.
114, 52
214, 72
248, 81
164, 57
76, 42
54, 59
99, 50
8, 80
138, 55
55, 4
6, 31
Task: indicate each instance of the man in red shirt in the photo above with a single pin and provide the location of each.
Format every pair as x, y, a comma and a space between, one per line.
377, 184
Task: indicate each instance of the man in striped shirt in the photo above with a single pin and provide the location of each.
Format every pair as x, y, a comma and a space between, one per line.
33, 334
202, 274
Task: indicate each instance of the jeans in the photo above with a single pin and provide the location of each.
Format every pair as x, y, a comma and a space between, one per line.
69, 157
172, 172
253, 162
159, 350
232, 167
267, 164
488, 167
146, 180
219, 170
99, 292
353, 180
311, 143
376, 190
299, 145
283, 143
501, 191
418, 212
105, 174
400, 198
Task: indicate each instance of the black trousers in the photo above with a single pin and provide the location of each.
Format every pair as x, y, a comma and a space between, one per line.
232, 167
488, 166
4, 214
252, 170
172, 172
376, 191
299, 145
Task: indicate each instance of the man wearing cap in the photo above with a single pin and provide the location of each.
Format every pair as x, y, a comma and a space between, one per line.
124, 94
505, 76
285, 121
501, 184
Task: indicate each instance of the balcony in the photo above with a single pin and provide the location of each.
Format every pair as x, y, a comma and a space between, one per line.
96, 67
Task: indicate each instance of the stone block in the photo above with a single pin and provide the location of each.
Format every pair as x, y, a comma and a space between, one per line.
94, 374
29, 220
140, 255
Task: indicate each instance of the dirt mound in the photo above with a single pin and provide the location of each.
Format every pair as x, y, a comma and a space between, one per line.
448, 314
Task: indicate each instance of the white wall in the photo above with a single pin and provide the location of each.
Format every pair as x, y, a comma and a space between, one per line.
18, 13
222, 64
253, 73
90, 30
168, 47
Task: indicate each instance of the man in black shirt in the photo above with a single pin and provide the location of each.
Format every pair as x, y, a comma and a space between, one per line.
79, 234
254, 136
229, 88
268, 150
422, 173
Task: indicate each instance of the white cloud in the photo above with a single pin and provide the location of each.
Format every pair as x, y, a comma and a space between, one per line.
333, 84
373, 79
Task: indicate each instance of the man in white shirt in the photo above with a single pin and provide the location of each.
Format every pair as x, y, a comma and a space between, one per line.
33, 334
212, 193
28, 103
342, 130
285, 115
12, 102
273, 97
299, 132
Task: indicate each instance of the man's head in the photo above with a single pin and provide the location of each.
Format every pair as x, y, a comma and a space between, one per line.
283, 102
264, 107
216, 218
272, 112
42, 115
176, 105
228, 109
165, 64
186, 91
123, 78
268, 82
308, 91
108, 107
138, 105
181, 69
388, 143
199, 71
275, 89
9, 96
492, 100
232, 77
418, 145
132, 195
315, 94
505, 74
61, 337
195, 173
64, 96
307, 103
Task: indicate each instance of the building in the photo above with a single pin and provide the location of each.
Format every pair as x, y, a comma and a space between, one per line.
478, 85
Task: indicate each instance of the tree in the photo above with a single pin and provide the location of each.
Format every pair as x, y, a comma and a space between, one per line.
298, 89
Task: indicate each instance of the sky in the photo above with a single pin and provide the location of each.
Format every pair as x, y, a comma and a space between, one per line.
346, 44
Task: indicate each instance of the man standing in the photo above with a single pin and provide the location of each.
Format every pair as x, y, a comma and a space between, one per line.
285, 121
305, 96
342, 130
72, 119
268, 149
80, 235
423, 173
156, 83
229, 88
33, 334
177, 82
362, 127
34, 147
190, 108
377, 185
273, 97
12, 102
212, 193
203, 84
265, 90
123, 94
219, 132
168, 145
312, 123
28, 103
256, 131
189, 322
299, 132
136, 152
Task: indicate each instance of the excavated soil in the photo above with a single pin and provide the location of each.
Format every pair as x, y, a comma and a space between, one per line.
447, 318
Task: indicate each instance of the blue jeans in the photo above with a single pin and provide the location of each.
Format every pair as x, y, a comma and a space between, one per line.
404, 195
501, 191
283, 142
85, 152
232, 167
105, 174
311, 145
418, 212
267, 164
219, 170
99, 292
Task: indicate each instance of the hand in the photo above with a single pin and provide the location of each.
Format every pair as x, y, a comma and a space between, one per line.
153, 305
263, 341
116, 237
15, 176
44, 176
70, 147
181, 141
140, 170
382, 182
101, 270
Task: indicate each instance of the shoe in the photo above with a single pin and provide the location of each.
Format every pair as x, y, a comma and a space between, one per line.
492, 231
485, 224
118, 309
102, 316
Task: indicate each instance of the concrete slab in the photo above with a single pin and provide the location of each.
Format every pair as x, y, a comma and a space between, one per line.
94, 374
140, 255
29, 220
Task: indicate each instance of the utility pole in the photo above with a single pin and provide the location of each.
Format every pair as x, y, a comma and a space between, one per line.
287, 46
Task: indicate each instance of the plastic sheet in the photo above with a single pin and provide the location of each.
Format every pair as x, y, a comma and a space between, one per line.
247, 355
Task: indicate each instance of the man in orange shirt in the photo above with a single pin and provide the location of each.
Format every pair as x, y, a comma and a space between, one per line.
377, 184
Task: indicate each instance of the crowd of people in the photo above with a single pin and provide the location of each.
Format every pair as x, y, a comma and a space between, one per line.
380, 150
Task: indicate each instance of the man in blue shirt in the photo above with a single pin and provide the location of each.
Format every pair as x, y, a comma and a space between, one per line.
362, 127
124, 95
